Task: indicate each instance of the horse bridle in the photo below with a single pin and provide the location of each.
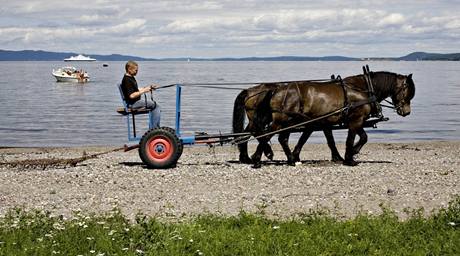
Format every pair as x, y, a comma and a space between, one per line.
396, 107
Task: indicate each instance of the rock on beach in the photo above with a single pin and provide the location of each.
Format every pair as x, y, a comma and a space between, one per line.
399, 176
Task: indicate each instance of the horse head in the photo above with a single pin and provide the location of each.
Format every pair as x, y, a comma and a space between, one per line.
403, 93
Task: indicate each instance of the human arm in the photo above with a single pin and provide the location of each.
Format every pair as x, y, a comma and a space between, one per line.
143, 90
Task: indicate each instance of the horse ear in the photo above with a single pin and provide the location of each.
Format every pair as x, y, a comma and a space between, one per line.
409, 76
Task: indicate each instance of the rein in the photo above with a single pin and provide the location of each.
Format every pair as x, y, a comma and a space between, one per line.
214, 85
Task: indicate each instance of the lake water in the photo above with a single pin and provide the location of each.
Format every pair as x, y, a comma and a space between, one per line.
36, 110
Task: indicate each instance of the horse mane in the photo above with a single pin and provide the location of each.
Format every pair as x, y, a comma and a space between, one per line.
385, 81
411, 85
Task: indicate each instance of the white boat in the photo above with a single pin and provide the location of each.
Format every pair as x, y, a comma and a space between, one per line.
70, 74
80, 57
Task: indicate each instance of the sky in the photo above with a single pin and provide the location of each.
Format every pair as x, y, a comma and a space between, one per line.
233, 28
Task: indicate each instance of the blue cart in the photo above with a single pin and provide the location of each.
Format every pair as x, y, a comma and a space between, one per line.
162, 147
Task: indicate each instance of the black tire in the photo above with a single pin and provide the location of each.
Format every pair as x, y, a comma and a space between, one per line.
160, 148
173, 131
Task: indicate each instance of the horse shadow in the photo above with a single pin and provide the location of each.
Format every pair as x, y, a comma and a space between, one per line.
313, 163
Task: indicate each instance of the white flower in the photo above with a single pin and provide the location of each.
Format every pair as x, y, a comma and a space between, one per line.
452, 224
139, 251
276, 227
58, 226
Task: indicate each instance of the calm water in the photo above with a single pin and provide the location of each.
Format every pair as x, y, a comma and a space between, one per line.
35, 110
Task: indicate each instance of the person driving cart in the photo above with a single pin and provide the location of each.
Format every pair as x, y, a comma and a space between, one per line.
132, 94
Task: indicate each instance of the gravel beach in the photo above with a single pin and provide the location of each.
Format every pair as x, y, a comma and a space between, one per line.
206, 180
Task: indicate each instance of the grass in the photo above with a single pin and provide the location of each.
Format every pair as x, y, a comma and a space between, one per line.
39, 233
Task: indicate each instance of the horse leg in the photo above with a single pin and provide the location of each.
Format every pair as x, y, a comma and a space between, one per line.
256, 157
331, 143
362, 140
283, 139
268, 151
349, 148
243, 149
262, 119
302, 140
244, 157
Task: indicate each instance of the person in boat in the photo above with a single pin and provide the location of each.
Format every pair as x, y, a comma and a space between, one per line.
132, 93
81, 76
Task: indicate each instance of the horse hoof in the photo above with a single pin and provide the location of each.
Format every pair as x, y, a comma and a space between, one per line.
269, 156
296, 159
350, 163
245, 160
297, 163
291, 163
256, 165
337, 159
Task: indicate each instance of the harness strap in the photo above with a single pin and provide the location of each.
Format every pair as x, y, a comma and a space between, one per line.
374, 104
345, 99
370, 100
285, 96
300, 98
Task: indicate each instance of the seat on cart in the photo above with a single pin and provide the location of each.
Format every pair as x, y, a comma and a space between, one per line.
127, 111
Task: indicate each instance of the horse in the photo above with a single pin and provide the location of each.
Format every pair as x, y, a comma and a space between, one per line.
254, 102
333, 103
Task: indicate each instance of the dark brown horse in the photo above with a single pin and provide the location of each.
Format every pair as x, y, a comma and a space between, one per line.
349, 103
255, 103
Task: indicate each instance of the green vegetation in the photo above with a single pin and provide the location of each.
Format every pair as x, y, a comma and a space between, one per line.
38, 233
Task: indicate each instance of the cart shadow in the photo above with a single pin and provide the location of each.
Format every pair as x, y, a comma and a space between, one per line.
132, 163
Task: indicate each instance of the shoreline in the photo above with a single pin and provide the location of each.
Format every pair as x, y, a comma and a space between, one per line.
401, 176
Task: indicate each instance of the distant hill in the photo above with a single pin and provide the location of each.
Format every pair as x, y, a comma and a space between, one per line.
430, 56
30, 55
289, 58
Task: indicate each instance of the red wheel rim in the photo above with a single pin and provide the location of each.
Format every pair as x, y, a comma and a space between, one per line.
159, 149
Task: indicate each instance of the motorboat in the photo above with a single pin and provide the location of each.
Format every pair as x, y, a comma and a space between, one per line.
80, 57
70, 74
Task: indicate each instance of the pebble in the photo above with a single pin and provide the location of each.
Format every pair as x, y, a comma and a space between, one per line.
398, 175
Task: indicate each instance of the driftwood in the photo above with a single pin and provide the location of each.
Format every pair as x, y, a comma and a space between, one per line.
44, 163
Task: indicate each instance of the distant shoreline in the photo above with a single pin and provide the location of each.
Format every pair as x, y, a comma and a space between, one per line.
33, 55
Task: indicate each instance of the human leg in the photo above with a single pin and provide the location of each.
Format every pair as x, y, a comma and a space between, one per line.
154, 113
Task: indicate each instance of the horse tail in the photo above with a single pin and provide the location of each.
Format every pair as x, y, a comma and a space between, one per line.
239, 112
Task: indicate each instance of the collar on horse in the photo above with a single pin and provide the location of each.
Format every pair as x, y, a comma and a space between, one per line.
376, 109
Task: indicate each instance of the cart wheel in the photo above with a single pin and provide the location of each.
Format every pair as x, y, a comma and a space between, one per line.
171, 130
160, 148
